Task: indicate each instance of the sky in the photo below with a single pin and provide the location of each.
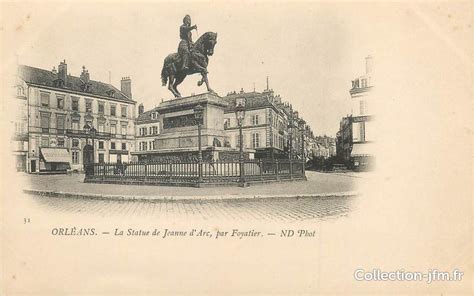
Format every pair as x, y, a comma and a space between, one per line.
309, 51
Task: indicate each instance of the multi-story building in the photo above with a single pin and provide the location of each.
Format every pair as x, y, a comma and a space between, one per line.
63, 108
362, 117
148, 127
356, 132
20, 125
265, 127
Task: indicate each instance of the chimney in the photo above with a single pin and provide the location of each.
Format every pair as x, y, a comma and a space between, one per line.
85, 74
141, 109
126, 86
368, 64
62, 71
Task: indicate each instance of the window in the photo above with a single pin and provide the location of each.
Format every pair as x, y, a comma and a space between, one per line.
237, 140
124, 146
362, 131
60, 124
113, 110
20, 91
143, 131
364, 82
124, 111
75, 104
101, 127
152, 145
75, 125
362, 107
101, 157
124, 130
75, 143
112, 145
255, 140
60, 102
255, 120
153, 115
45, 122
60, 142
226, 123
101, 144
240, 101
75, 157
101, 108
44, 142
44, 99
113, 129
89, 106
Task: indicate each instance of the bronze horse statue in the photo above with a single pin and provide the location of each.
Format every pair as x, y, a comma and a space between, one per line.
171, 73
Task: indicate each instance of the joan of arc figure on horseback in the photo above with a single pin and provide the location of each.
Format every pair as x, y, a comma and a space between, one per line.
185, 47
186, 44
191, 58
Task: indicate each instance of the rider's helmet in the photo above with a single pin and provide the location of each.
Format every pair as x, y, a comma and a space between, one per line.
187, 19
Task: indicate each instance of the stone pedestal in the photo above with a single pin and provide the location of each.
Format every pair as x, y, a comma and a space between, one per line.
178, 136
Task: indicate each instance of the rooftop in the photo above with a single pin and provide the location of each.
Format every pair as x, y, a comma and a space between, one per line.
49, 79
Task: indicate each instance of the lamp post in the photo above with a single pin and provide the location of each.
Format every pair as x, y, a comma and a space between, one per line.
290, 133
240, 115
302, 124
90, 133
198, 116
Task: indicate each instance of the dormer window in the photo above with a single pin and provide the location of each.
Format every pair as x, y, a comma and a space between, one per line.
20, 91
240, 101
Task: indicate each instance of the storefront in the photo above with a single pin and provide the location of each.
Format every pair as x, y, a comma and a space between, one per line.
54, 160
362, 155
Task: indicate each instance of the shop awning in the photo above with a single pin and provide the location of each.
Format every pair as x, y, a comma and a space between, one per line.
365, 149
55, 155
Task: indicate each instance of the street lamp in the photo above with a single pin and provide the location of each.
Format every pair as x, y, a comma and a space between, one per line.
198, 116
90, 132
290, 134
302, 124
240, 115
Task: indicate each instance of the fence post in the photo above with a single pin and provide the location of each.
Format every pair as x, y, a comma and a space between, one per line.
171, 169
103, 172
304, 169
277, 169
146, 172
261, 169
291, 169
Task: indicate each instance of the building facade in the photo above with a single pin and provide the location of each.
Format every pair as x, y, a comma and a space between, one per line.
20, 125
356, 133
60, 107
266, 127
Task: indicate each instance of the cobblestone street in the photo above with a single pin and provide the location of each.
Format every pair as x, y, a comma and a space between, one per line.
293, 201
280, 209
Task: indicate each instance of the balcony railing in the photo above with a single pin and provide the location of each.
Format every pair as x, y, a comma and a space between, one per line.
82, 134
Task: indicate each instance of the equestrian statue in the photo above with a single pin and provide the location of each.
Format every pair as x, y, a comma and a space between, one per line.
191, 58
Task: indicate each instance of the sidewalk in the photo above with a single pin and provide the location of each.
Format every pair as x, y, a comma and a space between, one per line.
318, 185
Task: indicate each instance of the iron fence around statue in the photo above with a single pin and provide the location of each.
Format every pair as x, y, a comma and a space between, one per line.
186, 173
